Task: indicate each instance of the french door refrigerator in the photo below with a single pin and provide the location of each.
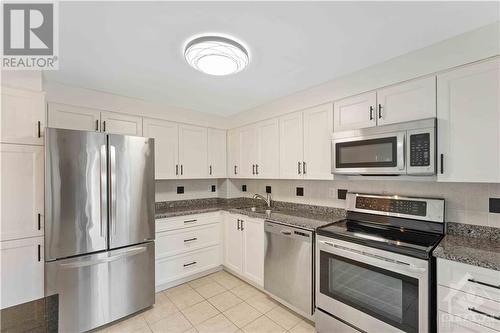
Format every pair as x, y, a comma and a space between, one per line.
99, 232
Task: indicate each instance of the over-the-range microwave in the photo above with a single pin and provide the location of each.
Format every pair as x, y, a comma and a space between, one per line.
399, 149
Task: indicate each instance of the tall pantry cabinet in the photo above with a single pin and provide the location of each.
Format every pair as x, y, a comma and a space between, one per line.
22, 196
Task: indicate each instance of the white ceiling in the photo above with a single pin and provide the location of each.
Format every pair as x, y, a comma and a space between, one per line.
135, 49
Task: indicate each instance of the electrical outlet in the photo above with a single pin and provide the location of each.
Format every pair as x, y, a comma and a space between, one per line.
341, 194
268, 189
213, 189
494, 205
180, 189
300, 191
243, 188
332, 192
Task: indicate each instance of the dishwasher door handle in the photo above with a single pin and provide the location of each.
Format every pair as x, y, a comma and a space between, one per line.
286, 232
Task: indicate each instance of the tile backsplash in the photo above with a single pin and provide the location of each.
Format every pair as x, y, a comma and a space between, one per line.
465, 202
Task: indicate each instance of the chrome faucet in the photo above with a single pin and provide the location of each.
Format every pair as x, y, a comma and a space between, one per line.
266, 200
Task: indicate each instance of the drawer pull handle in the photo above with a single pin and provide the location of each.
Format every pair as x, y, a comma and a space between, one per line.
190, 221
190, 240
484, 313
483, 283
190, 264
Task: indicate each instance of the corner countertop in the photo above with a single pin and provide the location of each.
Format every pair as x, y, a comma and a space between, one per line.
300, 215
473, 245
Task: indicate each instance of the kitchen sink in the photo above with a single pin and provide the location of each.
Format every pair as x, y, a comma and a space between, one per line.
261, 210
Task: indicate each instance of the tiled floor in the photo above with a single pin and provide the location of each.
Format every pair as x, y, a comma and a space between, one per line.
218, 303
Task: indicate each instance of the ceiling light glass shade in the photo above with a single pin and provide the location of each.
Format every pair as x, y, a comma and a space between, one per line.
216, 55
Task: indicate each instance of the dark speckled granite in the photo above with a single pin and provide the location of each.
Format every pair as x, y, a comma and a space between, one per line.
473, 245
305, 216
38, 316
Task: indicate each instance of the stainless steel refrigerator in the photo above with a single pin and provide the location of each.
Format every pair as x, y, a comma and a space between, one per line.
99, 231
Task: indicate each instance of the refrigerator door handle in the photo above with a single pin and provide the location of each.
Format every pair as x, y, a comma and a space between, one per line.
112, 186
93, 262
103, 184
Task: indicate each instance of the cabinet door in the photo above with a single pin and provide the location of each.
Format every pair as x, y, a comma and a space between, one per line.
119, 123
233, 151
193, 151
291, 146
355, 112
318, 129
22, 271
248, 151
73, 117
407, 101
22, 191
253, 251
268, 149
217, 153
23, 116
468, 112
233, 246
166, 135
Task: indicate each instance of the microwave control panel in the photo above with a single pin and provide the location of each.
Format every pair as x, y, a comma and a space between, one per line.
420, 150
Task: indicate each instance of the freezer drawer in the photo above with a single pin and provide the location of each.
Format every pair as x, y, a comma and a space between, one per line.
100, 288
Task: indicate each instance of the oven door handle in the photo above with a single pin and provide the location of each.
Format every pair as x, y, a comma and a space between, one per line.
379, 260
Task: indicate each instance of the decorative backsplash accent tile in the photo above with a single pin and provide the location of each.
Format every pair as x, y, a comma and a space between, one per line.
243, 188
213, 188
494, 205
299, 191
341, 194
268, 189
180, 189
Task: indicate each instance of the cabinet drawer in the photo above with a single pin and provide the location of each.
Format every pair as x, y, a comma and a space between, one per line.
448, 323
474, 308
470, 279
187, 221
181, 266
169, 243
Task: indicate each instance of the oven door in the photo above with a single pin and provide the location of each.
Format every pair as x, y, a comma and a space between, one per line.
371, 289
382, 154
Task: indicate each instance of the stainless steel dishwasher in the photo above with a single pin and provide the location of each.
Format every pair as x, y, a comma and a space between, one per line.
288, 266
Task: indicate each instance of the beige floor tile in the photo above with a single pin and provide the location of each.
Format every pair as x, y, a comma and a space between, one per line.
263, 325
161, 298
303, 327
242, 314
284, 317
210, 289
217, 324
178, 289
191, 330
200, 312
262, 302
245, 291
130, 325
225, 301
143, 330
227, 280
175, 323
200, 282
186, 298
160, 311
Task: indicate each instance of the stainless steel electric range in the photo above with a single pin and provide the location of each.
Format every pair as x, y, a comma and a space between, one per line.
374, 270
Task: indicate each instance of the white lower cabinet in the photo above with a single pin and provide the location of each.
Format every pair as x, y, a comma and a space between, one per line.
244, 247
468, 298
22, 271
187, 246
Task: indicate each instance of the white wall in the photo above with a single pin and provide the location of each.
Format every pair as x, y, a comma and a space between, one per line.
66, 94
166, 190
465, 202
466, 48
30, 80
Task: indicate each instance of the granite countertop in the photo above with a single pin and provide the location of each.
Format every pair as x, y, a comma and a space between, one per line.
300, 215
473, 245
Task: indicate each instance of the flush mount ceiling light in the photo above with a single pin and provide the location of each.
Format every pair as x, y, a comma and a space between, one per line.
216, 55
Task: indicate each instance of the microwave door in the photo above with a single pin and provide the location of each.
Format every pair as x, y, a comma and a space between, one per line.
132, 190
370, 155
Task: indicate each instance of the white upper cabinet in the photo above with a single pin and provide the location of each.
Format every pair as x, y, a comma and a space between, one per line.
166, 135
268, 149
22, 172
73, 117
355, 112
217, 153
248, 151
193, 151
253, 249
23, 116
408, 101
291, 144
233, 153
468, 112
318, 128
22, 271
119, 123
